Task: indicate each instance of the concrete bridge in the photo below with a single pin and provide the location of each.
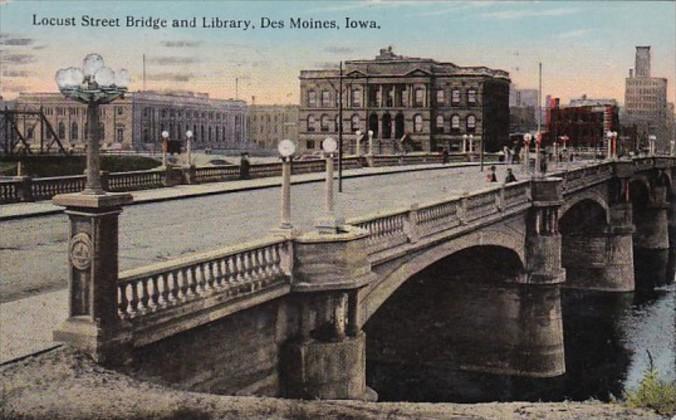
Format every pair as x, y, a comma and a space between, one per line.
284, 315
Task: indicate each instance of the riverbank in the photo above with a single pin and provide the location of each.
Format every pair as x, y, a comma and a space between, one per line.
64, 384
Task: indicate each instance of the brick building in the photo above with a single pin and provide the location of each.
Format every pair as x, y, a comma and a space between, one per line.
268, 124
584, 121
137, 120
432, 103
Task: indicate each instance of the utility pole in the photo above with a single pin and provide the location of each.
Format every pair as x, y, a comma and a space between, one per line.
340, 130
237, 88
144, 72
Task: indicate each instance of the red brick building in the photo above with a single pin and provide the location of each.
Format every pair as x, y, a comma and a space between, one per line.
585, 121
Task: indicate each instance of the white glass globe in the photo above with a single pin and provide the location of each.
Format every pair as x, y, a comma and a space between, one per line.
188, 134
329, 145
358, 133
105, 76
91, 64
165, 134
122, 78
286, 148
69, 78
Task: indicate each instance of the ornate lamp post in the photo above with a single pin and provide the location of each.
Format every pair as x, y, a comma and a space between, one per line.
652, 139
188, 136
538, 143
286, 150
464, 143
672, 148
370, 133
358, 133
526, 156
93, 325
612, 144
328, 223
165, 147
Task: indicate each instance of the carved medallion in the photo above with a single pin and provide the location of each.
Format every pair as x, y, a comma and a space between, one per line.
81, 251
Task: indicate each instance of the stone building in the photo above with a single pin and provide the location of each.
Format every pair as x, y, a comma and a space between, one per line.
428, 104
645, 101
137, 120
268, 124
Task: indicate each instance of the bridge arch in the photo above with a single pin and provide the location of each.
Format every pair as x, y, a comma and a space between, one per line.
588, 195
511, 240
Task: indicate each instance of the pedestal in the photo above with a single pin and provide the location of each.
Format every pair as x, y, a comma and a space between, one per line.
93, 325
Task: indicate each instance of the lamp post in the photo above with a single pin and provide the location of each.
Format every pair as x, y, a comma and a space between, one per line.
672, 148
188, 146
165, 147
357, 149
651, 144
464, 143
538, 143
612, 144
93, 85
93, 324
526, 156
328, 222
370, 132
286, 150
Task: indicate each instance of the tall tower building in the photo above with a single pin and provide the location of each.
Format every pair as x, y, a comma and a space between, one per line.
642, 63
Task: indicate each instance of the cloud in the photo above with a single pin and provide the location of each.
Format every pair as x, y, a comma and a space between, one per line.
18, 59
326, 65
39, 47
17, 42
171, 61
16, 73
339, 50
524, 13
171, 77
180, 44
574, 34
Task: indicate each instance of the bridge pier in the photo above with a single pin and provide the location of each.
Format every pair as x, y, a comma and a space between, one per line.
327, 359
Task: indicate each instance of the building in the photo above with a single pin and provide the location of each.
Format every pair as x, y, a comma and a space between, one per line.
268, 124
523, 105
584, 121
138, 120
645, 101
419, 103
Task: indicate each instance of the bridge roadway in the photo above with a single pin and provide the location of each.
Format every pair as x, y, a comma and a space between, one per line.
33, 254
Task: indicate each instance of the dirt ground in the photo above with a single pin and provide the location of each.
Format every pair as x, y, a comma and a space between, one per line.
63, 384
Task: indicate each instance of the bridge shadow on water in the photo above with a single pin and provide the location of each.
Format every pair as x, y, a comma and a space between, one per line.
420, 341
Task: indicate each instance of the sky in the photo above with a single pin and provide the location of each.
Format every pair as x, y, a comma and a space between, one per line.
585, 47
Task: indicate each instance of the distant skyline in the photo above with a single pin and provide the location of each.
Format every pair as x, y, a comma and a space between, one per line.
585, 47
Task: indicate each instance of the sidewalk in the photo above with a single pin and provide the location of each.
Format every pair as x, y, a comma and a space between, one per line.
42, 208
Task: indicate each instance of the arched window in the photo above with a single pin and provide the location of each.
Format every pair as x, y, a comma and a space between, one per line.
356, 98
310, 122
471, 122
30, 133
440, 96
73, 131
471, 96
440, 124
455, 96
326, 98
324, 122
210, 134
455, 122
202, 132
311, 98
354, 123
418, 123
62, 130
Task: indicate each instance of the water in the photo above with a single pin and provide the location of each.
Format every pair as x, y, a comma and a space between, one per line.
609, 340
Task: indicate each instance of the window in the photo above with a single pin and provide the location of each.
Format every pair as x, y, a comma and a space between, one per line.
471, 96
310, 123
30, 133
356, 98
120, 110
455, 96
440, 96
311, 98
440, 124
326, 98
164, 113
310, 144
73, 131
455, 122
354, 123
120, 135
337, 123
471, 123
59, 111
146, 112
324, 122
210, 134
146, 136
62, 130
419, 97
418, 123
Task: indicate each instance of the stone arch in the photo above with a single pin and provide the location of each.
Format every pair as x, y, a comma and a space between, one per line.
578, 198
506, 238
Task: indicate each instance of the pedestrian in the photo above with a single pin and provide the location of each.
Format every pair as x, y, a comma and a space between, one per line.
244, 166
507, 155
490, 177
444, 156
510, 176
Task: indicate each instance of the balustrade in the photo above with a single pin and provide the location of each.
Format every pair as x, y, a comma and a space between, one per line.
9, 191
46, 188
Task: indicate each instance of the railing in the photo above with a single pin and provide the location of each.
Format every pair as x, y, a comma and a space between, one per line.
135, 180
230, 273
385, 230
433, 217
216, 173
9, 191
46, 188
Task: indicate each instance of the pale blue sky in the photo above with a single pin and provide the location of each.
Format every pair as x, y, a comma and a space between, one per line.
585, 47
